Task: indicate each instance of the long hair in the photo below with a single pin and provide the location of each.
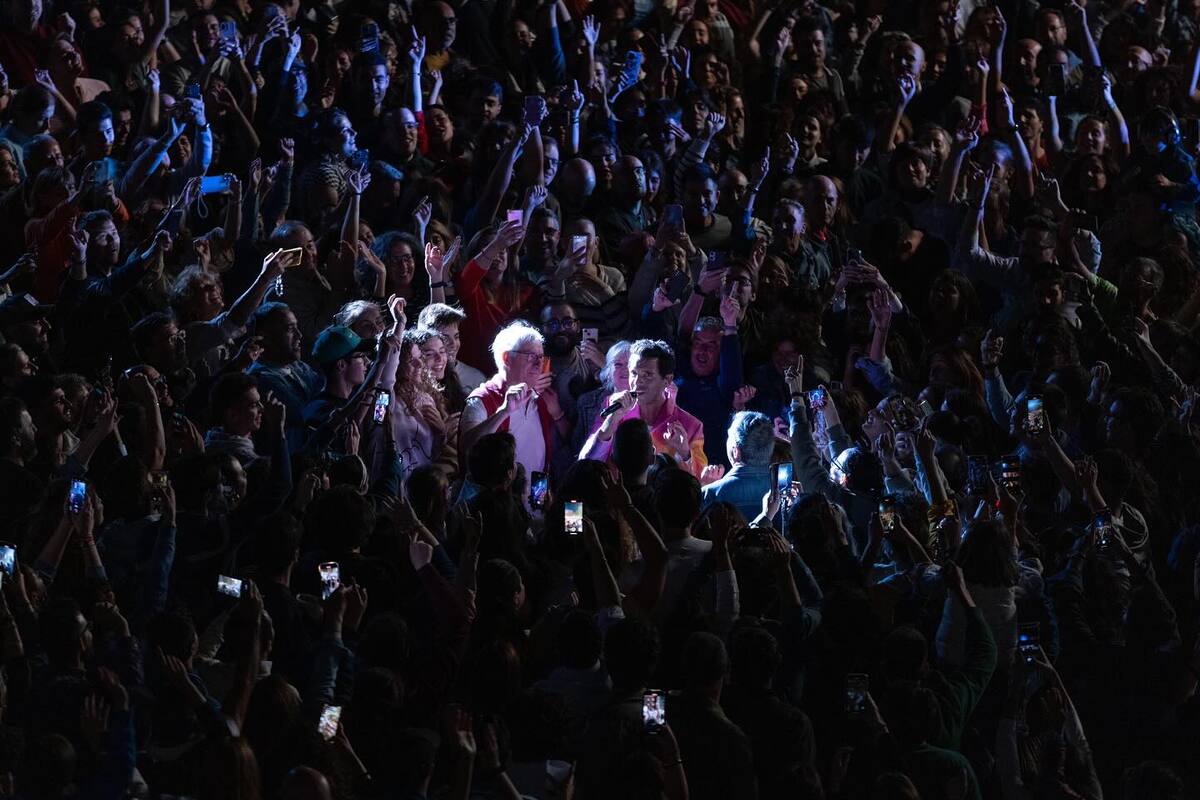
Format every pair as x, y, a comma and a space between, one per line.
986, 555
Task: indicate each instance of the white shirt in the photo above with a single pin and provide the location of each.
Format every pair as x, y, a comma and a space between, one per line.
523, 424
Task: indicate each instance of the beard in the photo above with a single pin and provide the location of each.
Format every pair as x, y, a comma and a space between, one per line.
561, 344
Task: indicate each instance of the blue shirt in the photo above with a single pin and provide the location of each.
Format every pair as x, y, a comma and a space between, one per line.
293, 385
743, 487
710, 399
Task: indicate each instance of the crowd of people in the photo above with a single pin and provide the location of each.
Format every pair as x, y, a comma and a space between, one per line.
642, 399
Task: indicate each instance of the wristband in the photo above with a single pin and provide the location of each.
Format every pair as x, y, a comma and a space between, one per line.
438, 285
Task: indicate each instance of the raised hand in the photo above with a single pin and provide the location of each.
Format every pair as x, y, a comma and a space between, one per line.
435, 264
591, 35
793, 376
573, 100
743, 396
274, 413
881, 309
676, 438
713, 124
423, 213
359, 180
906, 89
711, 474
416, 51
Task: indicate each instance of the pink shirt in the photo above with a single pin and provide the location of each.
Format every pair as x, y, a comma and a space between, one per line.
669, 412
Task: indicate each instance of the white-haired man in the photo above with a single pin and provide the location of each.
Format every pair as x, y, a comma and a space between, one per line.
518, 399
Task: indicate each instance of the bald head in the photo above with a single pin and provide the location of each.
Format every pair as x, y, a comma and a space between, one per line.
305, 783
629, 179
578, 180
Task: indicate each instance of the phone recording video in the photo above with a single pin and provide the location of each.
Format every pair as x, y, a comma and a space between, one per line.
382, 400
857, 686
539, 487
977, 474
1029, 639
887, 514
904, 415
573, 517
8, 558
1010, 474
782, 473
330, 578
77, 497
328, 724
1035, 415
817, 399
231, 587
654, 709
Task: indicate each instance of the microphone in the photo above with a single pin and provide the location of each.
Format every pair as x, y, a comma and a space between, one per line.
614, 406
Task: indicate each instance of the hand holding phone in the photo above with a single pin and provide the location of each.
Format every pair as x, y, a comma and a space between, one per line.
230, 587
654, 709
539, 487
573, 517
330, 578
327, 726
887, 514
382, 401
77, 497
858, 685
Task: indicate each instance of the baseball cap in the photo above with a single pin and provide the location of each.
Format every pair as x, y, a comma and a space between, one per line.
338, 341
22, 308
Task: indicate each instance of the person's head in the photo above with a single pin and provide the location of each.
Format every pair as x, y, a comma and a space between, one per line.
631, 652
361, 316
403, 124
820, 201
40, 152
788, 220
32, 109
336, 133
228, 770
751, 439
577, 182
910, 167
633, 449
1049, 289
677, 496
197, 295
433, 352
905, 655
94, 121
290, 234
23, 15
399, 253
986, 555
629, 180
1091, 136
492, 460
705, 663
441, 26
560, 327
66, 635
441, 125
342, 356
236, 405
1039, 241
371, 79
445, 320
651, 368
18, 435
47, 402
518, 352
159, 342
1158, 130
15, 365
1141, 281
706, 346
859, 470
1051, 27
280, 333
908, 58
11, 170
700, 196
739, 284
614, 376
1133, 418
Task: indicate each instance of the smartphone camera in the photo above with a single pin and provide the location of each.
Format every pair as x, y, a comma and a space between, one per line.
1035, 416
330, 578
77, 497
328, 724
539, 487
231, 587
887, 514
573, 517
857, 686
382, 400
654, 709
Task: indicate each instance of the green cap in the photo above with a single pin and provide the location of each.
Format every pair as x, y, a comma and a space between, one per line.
338, 341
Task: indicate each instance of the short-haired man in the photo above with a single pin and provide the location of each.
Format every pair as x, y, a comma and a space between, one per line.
518, 399
445, 320
651, 398
280, 368
749, 445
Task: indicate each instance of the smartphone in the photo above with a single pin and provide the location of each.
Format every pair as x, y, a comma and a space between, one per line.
229, 31
1035, 415
782, 476
290, 251
382, 401
539, 487
1085, 222
857, 686
926, 408
903, 415
360, 159
817, 399
159, 479
229, 586
578, 243
77, 496
854, 256
1104, 531
370, 38
517, 216
535, 109
676, 285
977, 472
632, 67
214, 184
192, 90
8, 558
573, 517
673, 215
1010, 474
328, 724
330, 578
1056, 80
591, 335
887, 513
1029, 639
654, 709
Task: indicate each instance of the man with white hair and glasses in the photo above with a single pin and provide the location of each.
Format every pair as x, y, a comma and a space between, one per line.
518, 399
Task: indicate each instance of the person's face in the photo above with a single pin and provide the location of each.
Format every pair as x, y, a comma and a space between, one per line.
9, 176
813, 47
603, 158
945, 295
344, 139
550, 161
698, 32
1037, 246
130, 38
738, 284
706, 352
1137, 60
433, 353
544, 236
66, 58
355, 370
523, 35
369, 323
28, 435
876, 420
1095, 179
58, 412
620, 373
303, 239
489, 107
283, 338
1048, 297
100, 141
448, 28
122, 127
1027, 56
1030, 124
699, 200
210, 300
809, 134
560, 326
104, 244
51, 153
33, 335
1092, 137
452, 339
913, 173
645, 379
735, 111
1052, 30
208, 32
167, 348
407, 138
908, 59
1118, 427
653, 183
789, 221
244, 416
377, 82
440, 126
95, 20
181, 152
1139, 284
525, 363
936, 141
23, 366
401, 264
784, 355
27, 13
822, 201
710, 71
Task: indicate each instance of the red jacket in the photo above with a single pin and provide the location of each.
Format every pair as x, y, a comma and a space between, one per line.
491, 393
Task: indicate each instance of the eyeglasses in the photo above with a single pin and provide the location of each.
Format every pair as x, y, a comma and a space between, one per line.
556, 325
535, 358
